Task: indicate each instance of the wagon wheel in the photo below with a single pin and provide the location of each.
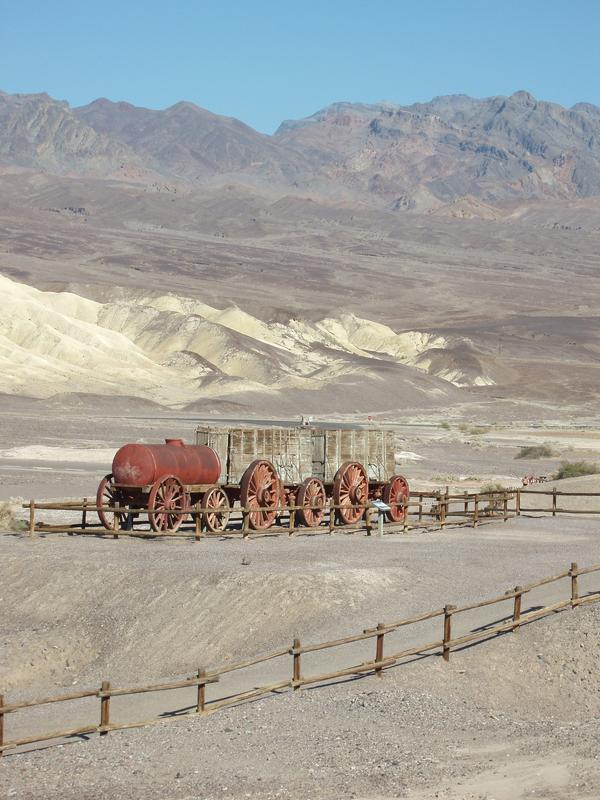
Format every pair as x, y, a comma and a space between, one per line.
395, 495
260, 488
109, 495
350, 487
311, 493
216, 505
167, 498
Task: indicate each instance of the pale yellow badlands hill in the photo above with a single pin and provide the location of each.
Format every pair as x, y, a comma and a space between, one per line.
175, 350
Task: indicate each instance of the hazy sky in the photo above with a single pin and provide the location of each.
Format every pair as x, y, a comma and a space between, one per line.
264, 60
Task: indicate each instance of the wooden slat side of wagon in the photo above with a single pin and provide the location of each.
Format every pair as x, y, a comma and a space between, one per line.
371, 447
288, 449
351, 465
302, 452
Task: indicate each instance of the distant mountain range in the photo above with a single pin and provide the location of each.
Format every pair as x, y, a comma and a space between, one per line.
455, 150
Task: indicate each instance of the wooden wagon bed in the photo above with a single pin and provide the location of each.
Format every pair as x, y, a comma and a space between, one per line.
301, 452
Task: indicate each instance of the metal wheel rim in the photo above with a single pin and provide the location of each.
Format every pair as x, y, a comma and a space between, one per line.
167, 497
312, 493
107, 495
216, 503
260, 488
350, 487
395, 489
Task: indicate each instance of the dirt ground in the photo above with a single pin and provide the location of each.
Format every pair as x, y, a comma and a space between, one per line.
516, 717
513, 719
50, 451
510, 719
513, 299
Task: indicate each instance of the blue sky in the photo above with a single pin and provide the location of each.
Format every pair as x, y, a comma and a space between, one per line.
264, 61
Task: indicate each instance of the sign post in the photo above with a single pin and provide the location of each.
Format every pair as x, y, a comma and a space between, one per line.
381, 511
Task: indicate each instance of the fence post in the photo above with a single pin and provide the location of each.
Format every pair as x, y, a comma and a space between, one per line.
1, 726
367, 518
83, 515
201, 691
476, 511
517, 608
518, 503
296, 653
292, 519
505, 506
420, 508
443, 509
448, 611
104, 708
31, 517
116, 522
379, 649
554, 501
245, 522
197, 523
574, 587
466, 506
331, 515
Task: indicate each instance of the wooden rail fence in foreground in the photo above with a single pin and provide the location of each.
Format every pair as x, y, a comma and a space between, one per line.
298, 677
424, 509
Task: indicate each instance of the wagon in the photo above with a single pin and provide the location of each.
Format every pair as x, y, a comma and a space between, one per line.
265, 469
303, 466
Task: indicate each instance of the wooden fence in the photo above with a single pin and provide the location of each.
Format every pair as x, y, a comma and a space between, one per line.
298, 677
555, 495
425, 509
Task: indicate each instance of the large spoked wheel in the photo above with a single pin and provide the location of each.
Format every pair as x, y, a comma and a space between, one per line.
260, 488
396, 494
109, 495
216, 505
166, 500
312, 498
350, 488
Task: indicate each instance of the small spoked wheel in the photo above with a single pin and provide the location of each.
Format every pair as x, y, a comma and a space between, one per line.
166, 501
311, 498
108, 496
215, 504
260, 491
396, 495
350, 492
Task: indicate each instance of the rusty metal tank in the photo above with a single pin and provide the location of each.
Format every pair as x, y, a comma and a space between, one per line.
144, 464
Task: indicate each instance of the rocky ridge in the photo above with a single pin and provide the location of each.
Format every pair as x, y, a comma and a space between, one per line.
496, 151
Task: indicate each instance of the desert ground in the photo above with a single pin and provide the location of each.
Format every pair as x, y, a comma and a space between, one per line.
142, 297
62, 447
510, 719
317, 308
514, 717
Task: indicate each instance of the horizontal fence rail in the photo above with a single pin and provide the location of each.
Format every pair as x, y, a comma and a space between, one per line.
423, 509
298, 676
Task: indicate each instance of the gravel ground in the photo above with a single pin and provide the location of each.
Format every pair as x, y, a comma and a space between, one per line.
432, 456
89, 608
79, 610
513, 718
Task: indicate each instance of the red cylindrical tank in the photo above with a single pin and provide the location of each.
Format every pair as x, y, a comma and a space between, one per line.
143, 464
